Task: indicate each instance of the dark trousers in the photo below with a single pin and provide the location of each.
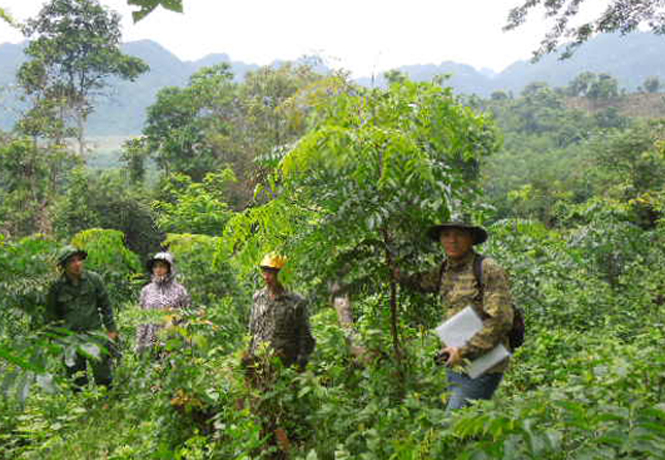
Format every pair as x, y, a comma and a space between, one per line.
465, 389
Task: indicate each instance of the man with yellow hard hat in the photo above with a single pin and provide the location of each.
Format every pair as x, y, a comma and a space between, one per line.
280, 318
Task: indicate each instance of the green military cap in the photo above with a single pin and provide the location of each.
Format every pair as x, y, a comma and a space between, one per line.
68, 251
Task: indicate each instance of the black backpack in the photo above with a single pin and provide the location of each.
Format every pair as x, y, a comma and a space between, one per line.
516, 333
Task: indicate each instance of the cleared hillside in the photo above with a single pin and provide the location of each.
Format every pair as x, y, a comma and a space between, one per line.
640, 105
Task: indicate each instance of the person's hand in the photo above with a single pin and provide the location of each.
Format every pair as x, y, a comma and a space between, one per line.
454, 356
113, 335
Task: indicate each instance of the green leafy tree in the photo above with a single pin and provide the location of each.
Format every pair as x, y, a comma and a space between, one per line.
194, 207
74, 49
630, 167
652, 84
581, 84
75, 213
109, 256
30, 178
182, 120
6, 17
604, 88
499, 95
214, 122
375, 169
395, 76
271, 117
135, 154
108, 201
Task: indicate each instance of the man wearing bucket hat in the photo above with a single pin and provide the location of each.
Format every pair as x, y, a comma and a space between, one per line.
280, 318
466, 278
78, 301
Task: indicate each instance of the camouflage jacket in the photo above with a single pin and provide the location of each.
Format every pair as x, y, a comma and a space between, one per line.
459, 288
80, 307
283, 322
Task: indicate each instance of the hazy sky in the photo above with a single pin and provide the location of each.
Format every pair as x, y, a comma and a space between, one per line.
364, 36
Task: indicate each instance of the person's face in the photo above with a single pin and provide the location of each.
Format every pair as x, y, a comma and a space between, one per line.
160, 268
74, 266
457, 242
269, 276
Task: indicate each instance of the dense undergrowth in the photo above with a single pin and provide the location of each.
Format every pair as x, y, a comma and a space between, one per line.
588, 383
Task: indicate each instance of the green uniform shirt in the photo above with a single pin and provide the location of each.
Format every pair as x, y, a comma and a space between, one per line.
80, 307
459, 289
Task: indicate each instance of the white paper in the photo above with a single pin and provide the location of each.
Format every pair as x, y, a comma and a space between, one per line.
456, 332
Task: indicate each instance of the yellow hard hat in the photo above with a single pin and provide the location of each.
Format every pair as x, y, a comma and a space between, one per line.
272, 260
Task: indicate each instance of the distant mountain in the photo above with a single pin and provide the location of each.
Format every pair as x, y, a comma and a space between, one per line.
630, 59
123, 112
463, 78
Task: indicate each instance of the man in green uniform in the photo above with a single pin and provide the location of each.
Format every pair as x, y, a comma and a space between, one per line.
459, 287
78, 301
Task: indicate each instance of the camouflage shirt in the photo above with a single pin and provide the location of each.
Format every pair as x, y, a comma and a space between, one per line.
80, 307
283, 322
459, 289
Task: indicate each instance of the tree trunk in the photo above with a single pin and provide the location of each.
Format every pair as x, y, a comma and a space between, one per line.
341, 301
394, 328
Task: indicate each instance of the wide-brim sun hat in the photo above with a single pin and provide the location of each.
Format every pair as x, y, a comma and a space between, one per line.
478, 233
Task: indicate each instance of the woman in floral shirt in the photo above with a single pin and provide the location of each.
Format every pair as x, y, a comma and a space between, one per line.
163, 293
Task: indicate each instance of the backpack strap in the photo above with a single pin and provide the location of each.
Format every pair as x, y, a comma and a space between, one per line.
478, 271
442, 269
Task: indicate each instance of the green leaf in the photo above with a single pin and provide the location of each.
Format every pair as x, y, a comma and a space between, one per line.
8, 381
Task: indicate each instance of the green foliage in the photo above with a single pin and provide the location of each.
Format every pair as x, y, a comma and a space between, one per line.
107, 201
27, 267
597, 87
214, 123
176, 127
192, 207
652, 84
29, 177
75, 213
6, 17
74, 48
135, 153
208, 279
108, 256
588, 382
148, 6
27, 352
